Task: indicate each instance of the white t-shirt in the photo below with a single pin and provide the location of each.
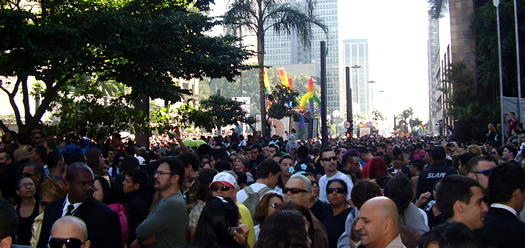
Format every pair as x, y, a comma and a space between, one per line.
242, 195
324, 181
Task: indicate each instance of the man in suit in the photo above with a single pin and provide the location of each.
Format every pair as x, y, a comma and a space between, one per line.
102, 222
506, 190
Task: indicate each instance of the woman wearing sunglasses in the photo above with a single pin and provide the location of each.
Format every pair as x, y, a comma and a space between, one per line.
266, 207
334, 220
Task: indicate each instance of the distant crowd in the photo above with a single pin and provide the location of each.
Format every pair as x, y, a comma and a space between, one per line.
248, 191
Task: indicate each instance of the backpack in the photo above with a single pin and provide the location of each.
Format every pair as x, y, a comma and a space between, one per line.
254, 198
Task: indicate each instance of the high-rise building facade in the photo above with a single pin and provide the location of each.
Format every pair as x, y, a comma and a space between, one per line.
282, 49
356, 57
434, 75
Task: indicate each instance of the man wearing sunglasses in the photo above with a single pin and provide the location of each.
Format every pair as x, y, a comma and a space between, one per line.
69, 231
298, 190
479, 168
328, 161
224, 185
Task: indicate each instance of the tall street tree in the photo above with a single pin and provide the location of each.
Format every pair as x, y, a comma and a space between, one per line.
258, 16
223, 111
143, 44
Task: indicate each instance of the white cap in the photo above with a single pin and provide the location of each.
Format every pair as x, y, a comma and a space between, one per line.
141, 160
226, 179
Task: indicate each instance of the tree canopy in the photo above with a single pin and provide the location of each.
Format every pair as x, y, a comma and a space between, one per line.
143, 44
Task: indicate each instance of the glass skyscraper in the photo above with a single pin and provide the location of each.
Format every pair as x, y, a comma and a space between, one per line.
282, 49
356, 57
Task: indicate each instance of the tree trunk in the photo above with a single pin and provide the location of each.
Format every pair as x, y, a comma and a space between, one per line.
142, 133
260, 60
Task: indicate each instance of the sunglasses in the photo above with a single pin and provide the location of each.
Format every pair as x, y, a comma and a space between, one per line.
334, 158
70, 243
275, 205
484, 172
216, 188
294, 190
314, 182
336, 190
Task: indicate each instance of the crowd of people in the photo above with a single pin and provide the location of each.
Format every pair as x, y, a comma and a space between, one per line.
238, 191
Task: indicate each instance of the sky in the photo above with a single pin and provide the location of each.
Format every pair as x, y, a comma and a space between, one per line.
397, 33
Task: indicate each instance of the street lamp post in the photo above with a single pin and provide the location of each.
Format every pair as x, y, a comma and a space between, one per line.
496, 4
356, 67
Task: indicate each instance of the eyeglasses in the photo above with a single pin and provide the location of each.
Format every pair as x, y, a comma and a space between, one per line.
216, 188
336, 190
25, 185
70, 243
161, 173
294, 190
484, 172
274, 205
334, 158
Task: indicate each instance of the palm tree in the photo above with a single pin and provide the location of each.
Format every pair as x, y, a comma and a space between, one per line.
437, 7
258, 16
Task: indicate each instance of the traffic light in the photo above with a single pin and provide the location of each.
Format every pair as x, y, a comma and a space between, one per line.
348, 134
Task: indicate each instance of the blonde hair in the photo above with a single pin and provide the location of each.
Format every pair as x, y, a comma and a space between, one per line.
243, 159
474, 149
53, 188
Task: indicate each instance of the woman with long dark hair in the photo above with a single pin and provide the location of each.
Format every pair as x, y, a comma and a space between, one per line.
284, 229
334, 220
27, 209
109, 192
219, 226
199, 196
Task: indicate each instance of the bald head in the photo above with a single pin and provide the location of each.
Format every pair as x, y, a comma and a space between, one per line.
384, 206
69, 227
378, 222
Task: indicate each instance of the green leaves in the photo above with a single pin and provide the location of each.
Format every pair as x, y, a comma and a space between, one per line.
146, 45
284, 102
223, 111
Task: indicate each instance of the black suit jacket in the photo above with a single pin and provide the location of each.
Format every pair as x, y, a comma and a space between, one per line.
501, 229
102, 222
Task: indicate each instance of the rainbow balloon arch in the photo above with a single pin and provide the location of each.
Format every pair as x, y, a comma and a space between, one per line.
309, 96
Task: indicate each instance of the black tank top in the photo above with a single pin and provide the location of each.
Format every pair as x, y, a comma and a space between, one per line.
25, 224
